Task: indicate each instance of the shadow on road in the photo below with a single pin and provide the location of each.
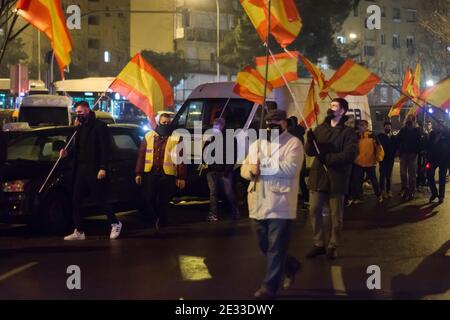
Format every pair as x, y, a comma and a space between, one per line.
432, 276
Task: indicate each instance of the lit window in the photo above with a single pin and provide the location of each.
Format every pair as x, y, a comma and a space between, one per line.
107, 57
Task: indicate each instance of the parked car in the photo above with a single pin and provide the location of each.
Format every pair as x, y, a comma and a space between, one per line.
45, 110
31, 155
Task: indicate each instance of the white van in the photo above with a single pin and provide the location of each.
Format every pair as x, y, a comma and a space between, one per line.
45, 110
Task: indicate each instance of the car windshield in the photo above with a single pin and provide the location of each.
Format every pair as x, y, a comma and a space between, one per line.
36, 147
38, 116
235, 113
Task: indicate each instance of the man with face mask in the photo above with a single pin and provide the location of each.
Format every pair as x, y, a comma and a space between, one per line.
91, 153
329, 177
273, 168
388, 141
409, 145
220, 173
438, 150
157, 172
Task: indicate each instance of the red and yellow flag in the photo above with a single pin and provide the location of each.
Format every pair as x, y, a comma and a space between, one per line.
311, 109
438, 95
317, 75
414, 87
48, 17
144, 87
280, 65
398, 105
285, 22
257, 15
352, 79
250, 85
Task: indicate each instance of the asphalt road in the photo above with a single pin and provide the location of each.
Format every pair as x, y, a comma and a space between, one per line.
409, 242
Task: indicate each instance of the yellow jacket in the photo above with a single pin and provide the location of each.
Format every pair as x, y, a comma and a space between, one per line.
370, 152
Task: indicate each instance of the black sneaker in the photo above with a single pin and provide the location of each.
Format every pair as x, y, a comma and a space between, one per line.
212, 218
331, 253
289, 280
316, 251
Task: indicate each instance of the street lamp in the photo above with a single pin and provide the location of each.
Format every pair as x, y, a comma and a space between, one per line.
430, 83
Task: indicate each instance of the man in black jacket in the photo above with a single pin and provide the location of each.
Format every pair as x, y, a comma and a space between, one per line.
329, 178
220, 173
299, 131
388, 142
91, 153
438, 150
409, 141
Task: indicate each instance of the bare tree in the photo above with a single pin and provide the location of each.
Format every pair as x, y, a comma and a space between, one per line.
433, 47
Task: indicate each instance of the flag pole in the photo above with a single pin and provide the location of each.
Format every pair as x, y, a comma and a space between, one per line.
266, 82
411, 98
291, 92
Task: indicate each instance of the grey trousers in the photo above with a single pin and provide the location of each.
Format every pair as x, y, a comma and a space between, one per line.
408, 171
336, 205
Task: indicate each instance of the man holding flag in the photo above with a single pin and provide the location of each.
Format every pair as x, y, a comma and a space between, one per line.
329, 177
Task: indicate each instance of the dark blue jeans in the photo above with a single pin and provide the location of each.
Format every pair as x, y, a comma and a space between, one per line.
273, 237
217, 180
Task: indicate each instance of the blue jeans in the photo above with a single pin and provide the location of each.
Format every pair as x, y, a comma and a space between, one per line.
273, 238
216, 180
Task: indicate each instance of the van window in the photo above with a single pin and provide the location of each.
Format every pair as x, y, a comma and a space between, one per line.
125, 142
207, 110
39, 116
192, 113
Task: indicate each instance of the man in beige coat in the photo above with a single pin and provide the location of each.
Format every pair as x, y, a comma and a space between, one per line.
274, 174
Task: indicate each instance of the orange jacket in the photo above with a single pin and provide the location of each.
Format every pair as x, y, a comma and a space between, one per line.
367, 147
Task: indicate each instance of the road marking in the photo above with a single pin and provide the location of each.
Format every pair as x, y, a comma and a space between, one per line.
15, 271
193, 268
338, 281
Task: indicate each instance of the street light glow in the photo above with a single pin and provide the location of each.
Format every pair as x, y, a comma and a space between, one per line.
353, 36
430, 83
430, 110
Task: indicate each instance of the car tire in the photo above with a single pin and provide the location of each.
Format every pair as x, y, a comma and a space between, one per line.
55, 214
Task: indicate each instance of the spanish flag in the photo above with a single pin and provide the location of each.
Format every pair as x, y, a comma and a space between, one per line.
257, 15
143, 86
317, 75
352, 79
280, 65
285, 22
414, 88
48, 17
311, 109
250, 85
438, 95
407, 84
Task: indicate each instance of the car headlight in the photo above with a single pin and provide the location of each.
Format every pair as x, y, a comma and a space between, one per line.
15, 186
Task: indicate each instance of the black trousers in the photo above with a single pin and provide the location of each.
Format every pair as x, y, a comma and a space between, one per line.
303, 186
356, 188
442, 177
386, 168
86, 182
158, 190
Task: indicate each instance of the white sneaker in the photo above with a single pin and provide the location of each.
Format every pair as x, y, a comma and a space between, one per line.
75, 236
115, 230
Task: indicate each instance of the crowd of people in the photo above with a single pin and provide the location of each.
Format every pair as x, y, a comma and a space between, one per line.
343, 159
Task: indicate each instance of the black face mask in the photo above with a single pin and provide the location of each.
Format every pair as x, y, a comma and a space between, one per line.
330, 115
163, 130
271, 127
83, 118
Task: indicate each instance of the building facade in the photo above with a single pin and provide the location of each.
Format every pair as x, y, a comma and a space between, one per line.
401, 42
101, 47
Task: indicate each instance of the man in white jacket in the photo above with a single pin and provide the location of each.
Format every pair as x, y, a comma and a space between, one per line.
273, 168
